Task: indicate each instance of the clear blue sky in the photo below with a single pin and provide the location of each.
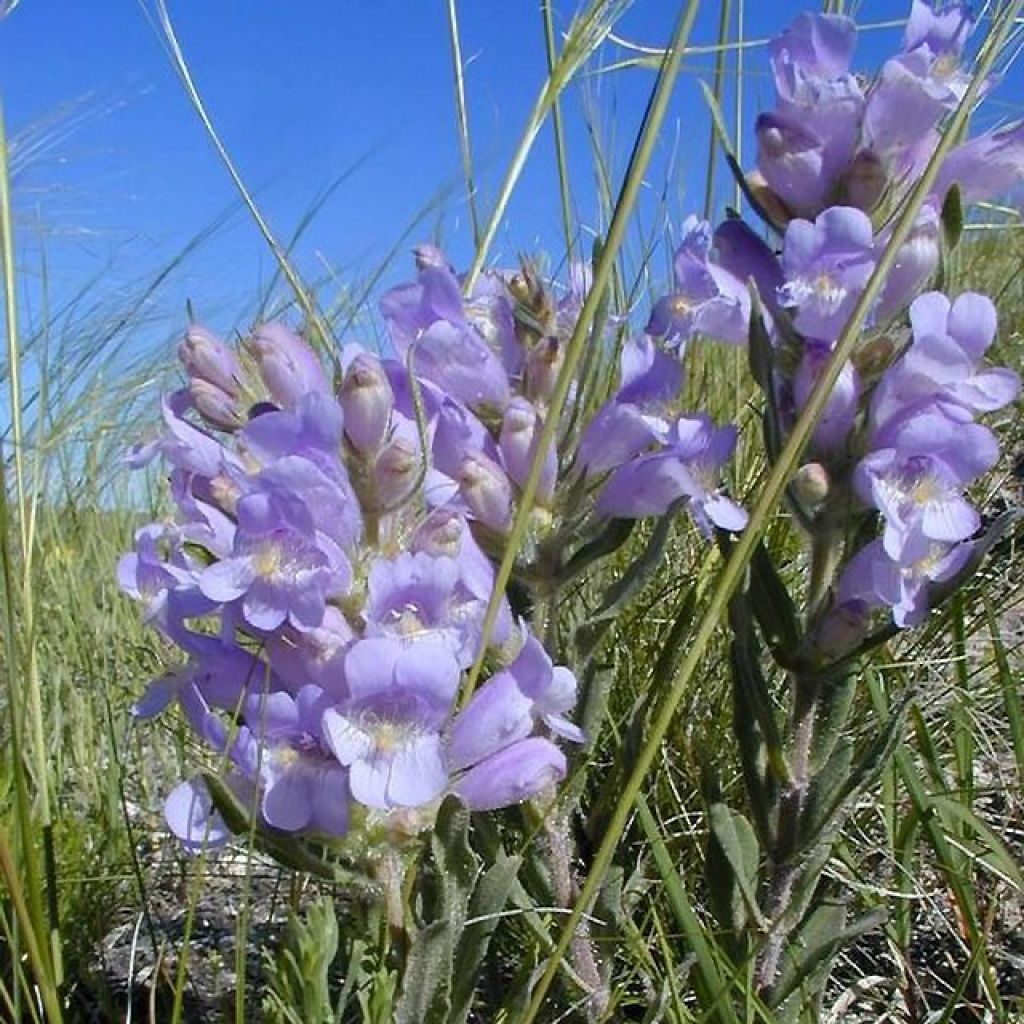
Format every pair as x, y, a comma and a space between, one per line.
301, 90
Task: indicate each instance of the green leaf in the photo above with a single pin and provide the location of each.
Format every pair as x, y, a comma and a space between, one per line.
773, 607
807, 961
641, 569
835, 698
732, 866
489, 898
952, 217
427, 977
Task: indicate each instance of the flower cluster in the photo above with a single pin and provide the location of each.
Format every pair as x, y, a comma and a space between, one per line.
329, 568
897, 439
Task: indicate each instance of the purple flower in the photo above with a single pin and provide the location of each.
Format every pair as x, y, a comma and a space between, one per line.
940, 366
190, 815
813, 47
486, 491
990, 166
289, 367
302, 786
916, 263
512, 775
944, 29
637, 417
520, 435
281, 569
205, 357
417, 596
833, 428
873, 578
448, 347
826, 264
743, 254
689, 466
708, 300
367, 400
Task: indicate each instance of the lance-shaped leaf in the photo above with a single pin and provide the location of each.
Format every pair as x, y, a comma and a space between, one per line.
491, 894
952, 217
640, 570
428, 980
807, 961
733, 857
835, 698
606, 543
829, 812
773, 607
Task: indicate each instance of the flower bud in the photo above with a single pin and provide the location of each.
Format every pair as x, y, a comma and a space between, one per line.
427, 256
367, 400
395, 472
486, 491
289, 367
916, 262
865, 180
520, 434
440, 535
217, 407
844, 626
811, 484
874, 357
543, 364
205, 357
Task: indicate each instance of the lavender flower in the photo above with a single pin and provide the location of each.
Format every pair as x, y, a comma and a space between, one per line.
708, 299
826, 264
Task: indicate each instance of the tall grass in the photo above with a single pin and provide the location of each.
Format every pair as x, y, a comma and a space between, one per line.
82, 845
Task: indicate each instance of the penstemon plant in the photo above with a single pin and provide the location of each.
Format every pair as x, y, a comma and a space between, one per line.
369, 706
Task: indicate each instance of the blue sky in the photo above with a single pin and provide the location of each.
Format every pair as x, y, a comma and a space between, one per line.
302, 90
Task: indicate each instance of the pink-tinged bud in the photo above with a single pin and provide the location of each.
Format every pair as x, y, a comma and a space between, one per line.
367, 400
542, 368
427, 256
395, 472
865, 181
440, 535
811, 484
205, 357
218, 408
289, 367
520, 435
486, 491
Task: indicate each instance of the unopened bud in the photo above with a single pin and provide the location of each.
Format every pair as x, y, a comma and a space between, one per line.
218, 408
486, 491
367, 400
542, 368
205, 357
865, 181
520, 434
811, 484
289, 367
395, 472
874, 357
440, 534
427, 256
844, 626
772, 205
